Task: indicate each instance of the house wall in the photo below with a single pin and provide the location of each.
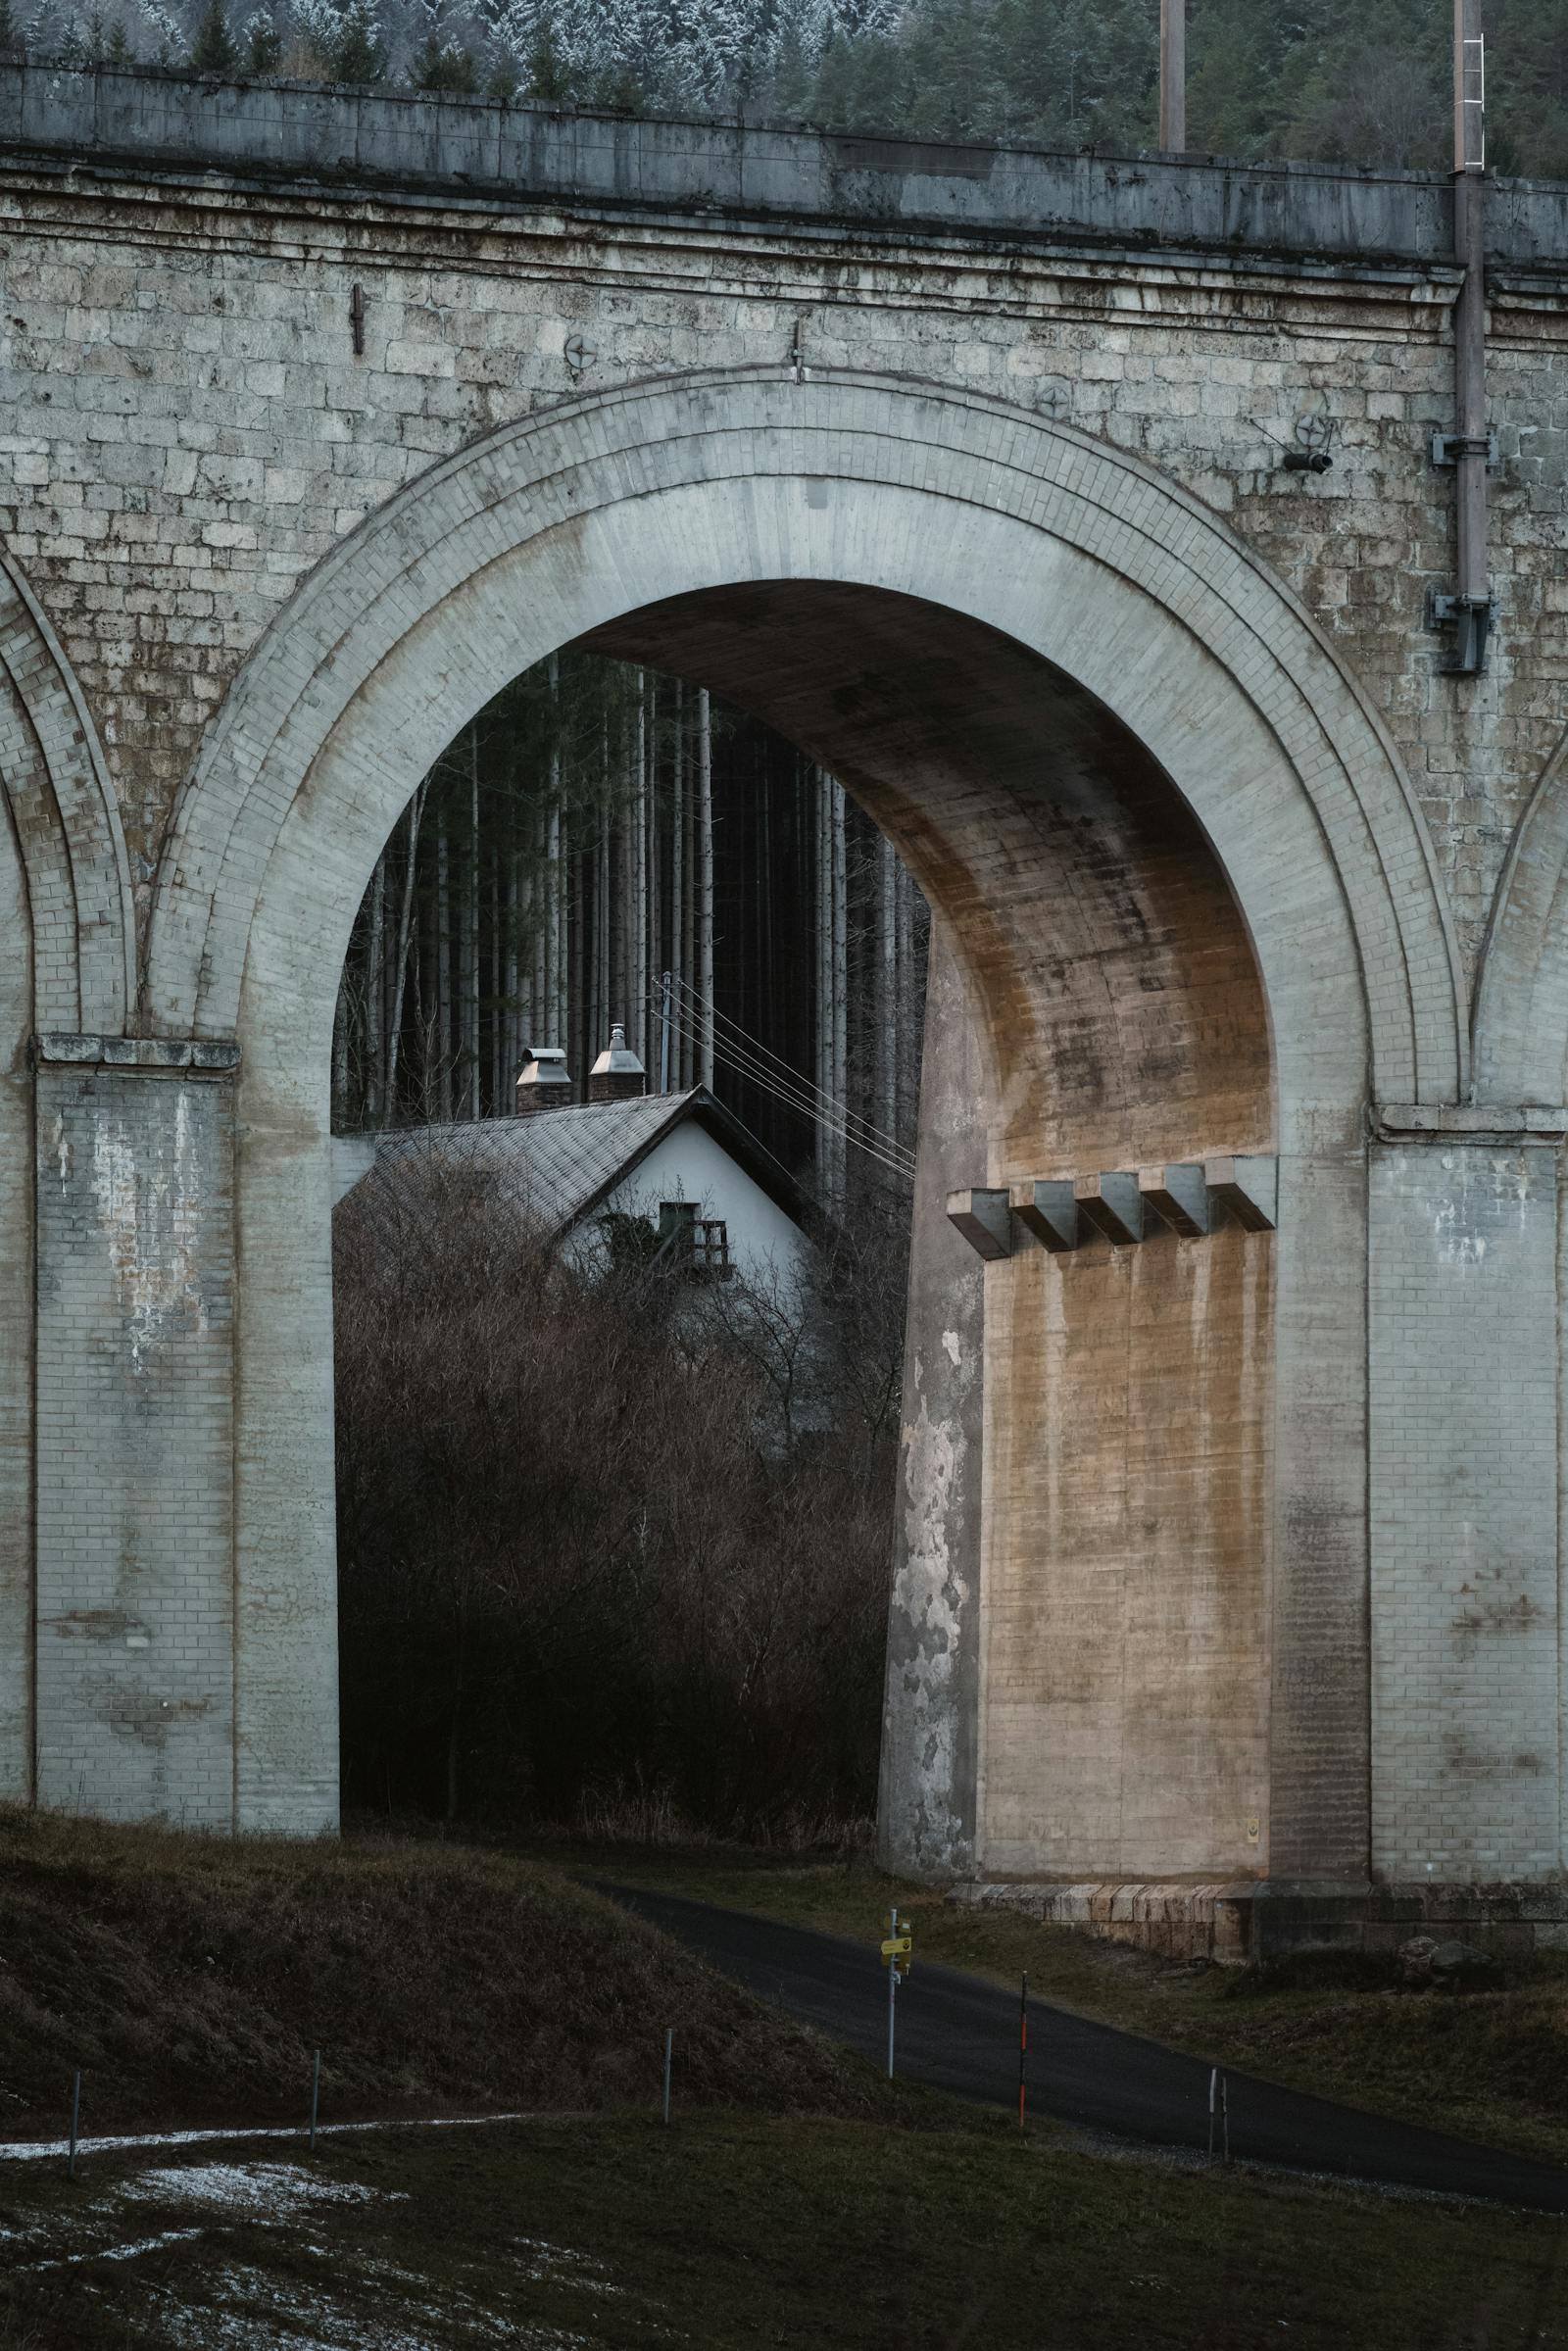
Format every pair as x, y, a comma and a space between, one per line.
689, 1164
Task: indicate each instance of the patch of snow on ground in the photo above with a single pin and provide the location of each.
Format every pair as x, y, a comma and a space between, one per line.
142, 2244
271, 2191
263, 2314
44, 2150
559, 2265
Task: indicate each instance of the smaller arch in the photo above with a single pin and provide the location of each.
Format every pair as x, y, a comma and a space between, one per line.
57, 784
1520, 1024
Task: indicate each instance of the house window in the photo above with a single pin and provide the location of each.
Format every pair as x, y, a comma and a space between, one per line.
698, 1245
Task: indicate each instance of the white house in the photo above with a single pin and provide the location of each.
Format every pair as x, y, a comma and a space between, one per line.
675, 1174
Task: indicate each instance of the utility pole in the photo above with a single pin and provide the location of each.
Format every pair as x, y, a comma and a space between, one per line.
1173, 77
1468, 449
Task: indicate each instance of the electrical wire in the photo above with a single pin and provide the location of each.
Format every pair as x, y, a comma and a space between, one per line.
797, 1083
793, 1077
887, 1151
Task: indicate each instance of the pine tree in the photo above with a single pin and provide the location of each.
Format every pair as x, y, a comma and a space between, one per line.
551, 80
120, 52
263, 47
445, 66
618, 91
213, 51
10, 31
359, 55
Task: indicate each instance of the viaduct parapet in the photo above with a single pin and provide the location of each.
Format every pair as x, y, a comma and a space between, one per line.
1085, 516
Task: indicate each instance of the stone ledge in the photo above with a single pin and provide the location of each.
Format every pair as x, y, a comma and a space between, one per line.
180, 1057
1234, 1920
1469, 1122
1176, 1919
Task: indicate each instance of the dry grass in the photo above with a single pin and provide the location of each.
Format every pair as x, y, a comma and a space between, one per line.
607, 2234
192, 1978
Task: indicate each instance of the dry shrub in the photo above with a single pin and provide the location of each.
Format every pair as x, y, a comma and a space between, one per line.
606, 1542
190, 1978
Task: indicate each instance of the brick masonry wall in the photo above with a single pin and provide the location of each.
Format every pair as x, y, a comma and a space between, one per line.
189, 430
135, 1655
1465, 1679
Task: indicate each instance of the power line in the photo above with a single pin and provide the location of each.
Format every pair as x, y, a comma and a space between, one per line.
885, 1150
794, 1077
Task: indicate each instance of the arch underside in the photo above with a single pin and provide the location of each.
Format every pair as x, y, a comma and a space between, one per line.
1116, 1020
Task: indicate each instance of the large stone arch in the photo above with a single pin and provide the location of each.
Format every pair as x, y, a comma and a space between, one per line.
973, 458
1027, 535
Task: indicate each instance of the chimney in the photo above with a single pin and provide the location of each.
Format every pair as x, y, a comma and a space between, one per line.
544, 1084
618, 1076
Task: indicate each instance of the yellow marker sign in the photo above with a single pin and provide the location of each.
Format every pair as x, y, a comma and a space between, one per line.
900, 1947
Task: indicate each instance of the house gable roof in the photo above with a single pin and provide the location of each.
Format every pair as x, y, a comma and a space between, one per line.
560, 1166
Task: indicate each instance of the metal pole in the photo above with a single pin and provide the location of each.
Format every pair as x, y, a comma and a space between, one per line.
663, 1039
316, 2094
893, 1984
76, 2119
1173, 77
669, 2047
1225, 2112
1213, 2096
1470, 335
1023, 2045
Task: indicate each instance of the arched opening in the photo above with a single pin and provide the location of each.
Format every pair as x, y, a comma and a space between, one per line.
617, 1350
1017, 543
1115, 1022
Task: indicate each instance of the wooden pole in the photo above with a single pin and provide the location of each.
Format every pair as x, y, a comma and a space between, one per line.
1173, 77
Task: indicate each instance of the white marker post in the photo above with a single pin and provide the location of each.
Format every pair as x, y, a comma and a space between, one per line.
896, 1946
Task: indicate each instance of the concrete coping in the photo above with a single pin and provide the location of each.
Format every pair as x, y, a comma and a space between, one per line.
183, 1057
1474, 1122
745, 167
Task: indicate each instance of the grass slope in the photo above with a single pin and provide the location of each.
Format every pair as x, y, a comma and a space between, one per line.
1490, 2066
605, 2234
192, 1978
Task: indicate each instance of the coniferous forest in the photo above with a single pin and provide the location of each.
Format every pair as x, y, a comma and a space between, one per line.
608, 845
1361, 81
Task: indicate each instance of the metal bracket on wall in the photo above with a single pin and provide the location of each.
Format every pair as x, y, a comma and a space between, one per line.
1470, 618
1447, 448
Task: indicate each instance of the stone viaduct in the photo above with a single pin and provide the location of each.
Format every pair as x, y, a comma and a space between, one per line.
1230, 1546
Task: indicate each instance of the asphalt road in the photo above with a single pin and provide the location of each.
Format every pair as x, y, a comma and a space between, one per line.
958, 2033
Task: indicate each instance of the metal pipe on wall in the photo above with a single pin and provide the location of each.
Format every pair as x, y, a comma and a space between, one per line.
1173, 77
1472, 601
